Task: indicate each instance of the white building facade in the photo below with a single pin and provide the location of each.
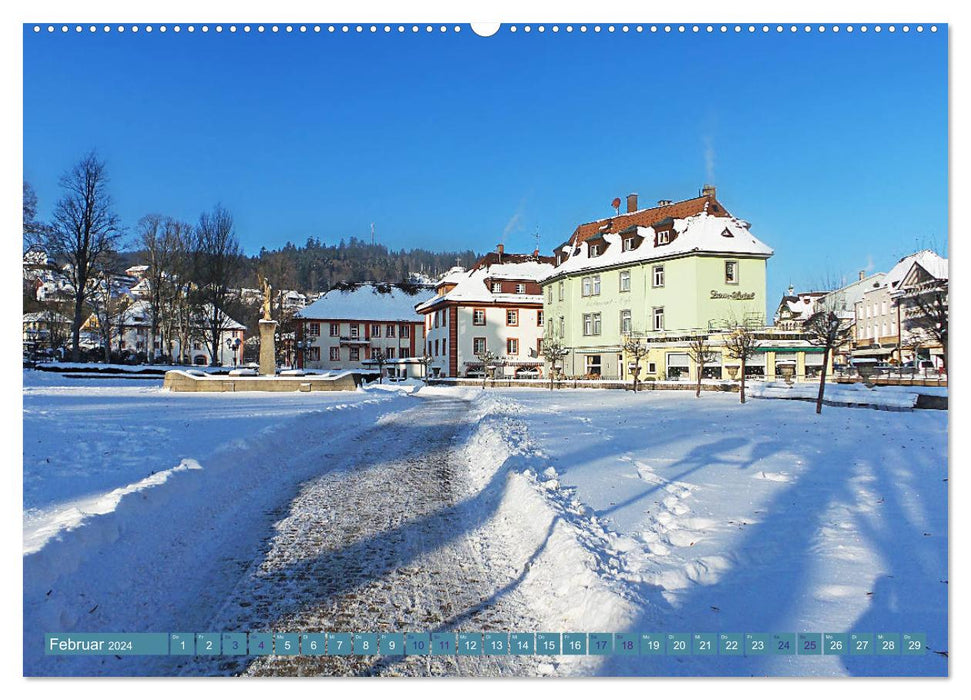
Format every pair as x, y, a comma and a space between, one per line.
348, 328
497, 308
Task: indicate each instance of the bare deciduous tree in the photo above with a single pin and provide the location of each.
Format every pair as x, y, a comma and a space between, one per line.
554, 352
488, 359
108, 307
32, 227
377, 356
927, 305
741, 344
178, 304
426, 362
160, 239
699, 350
217, 261
636, 349
828, 330
84, 232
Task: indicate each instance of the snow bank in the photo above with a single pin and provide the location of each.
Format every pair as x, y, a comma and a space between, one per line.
895, 398
151, 547
558, 543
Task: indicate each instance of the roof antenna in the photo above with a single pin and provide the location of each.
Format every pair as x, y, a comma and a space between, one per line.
536, 236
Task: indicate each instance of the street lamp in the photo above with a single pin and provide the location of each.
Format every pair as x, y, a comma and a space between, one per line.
233, 344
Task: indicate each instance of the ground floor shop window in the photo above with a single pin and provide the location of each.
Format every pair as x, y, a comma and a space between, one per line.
592, 365
677, 365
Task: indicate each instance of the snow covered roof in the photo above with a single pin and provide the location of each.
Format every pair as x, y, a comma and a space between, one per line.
45, 317
934, 264
702, 233
366, 302
139, 313
472, 286
844, 299
453, 276
648, 217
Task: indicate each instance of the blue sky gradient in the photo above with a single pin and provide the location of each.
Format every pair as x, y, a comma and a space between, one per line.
834, 146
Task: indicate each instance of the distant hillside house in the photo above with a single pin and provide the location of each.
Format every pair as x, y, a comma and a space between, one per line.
346, 327
495, 307
45, 330
133, 326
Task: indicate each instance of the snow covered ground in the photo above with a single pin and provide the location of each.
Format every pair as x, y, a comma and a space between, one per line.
400, 507
719, 517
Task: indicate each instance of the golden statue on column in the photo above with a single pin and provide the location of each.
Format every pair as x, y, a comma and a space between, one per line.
267, 332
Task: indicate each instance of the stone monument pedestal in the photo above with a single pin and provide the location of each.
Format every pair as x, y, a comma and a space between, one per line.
267, 347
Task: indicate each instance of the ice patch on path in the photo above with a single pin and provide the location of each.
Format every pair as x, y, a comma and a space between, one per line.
45, 525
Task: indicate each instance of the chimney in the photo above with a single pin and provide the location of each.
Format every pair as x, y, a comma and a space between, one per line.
536, 253
862, 274
708, 191
631, 202
499, 249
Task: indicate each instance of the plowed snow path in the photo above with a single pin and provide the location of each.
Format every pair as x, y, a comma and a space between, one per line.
379, 544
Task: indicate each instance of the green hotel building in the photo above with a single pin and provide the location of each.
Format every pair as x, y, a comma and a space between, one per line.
665, 274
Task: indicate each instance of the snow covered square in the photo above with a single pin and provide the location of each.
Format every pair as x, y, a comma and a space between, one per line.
412, 508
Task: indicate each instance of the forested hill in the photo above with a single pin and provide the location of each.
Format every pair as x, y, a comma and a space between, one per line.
317, 266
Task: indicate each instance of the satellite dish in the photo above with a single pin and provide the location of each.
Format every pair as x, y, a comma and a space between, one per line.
616, 203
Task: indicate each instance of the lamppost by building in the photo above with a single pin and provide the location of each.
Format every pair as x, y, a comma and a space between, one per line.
233, 345
302, 347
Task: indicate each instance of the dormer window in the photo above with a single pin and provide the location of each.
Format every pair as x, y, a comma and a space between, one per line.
629, 243
594, 251
663, 237
497, 287
520, 289
559, 259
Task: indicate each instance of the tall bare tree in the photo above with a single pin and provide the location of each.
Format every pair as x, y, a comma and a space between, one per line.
157, 239
31, 225
108, 307
217, 261
84, 232
827, 329
699, 350
741, 344
178, 313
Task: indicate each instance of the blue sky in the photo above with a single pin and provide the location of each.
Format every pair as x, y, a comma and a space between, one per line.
834, 146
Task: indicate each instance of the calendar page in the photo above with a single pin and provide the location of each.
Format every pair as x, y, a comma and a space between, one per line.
552, 347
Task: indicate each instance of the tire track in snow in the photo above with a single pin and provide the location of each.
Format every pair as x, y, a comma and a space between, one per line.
379, 544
